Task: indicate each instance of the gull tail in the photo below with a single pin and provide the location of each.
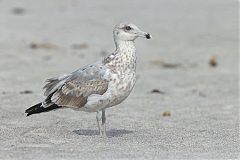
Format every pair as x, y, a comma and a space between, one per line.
38, 108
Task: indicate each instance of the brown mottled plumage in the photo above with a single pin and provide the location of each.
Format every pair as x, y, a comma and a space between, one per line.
75, 93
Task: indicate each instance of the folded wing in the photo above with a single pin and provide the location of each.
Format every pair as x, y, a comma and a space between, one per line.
73, 90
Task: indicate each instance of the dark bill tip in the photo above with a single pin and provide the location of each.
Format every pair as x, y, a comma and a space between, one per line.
148, 36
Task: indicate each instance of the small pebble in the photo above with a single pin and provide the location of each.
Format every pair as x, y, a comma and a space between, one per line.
42, 46
166, 114
157, 91
18, 10
213, 61
166, 64
80, 46
26, 92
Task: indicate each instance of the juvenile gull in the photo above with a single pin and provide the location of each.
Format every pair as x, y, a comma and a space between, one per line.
97, 86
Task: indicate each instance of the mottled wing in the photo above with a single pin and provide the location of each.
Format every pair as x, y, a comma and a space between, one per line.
75, 93
78, 86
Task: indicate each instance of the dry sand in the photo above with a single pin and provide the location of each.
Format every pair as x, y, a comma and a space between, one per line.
41, 39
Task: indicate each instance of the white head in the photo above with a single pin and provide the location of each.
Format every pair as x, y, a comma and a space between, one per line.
128, 32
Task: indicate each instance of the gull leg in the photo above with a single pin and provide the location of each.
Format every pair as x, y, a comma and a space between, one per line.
99, 117
103, 123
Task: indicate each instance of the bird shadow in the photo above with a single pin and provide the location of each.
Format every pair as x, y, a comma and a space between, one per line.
110, 133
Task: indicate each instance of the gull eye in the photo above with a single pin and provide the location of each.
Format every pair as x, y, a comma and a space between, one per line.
128, 28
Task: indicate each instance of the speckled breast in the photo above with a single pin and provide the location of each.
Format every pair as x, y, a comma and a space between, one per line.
122, 76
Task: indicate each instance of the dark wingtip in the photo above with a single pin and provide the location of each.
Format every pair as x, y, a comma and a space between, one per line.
31, 110
38, 109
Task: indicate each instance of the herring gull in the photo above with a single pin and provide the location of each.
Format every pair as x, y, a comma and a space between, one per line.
97, 86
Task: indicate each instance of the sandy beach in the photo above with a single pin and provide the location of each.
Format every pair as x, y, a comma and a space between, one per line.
184, 104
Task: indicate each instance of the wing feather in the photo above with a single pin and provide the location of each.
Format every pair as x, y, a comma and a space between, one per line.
75, 93
73, 90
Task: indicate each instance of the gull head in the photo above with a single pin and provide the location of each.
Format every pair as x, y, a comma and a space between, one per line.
128, 32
